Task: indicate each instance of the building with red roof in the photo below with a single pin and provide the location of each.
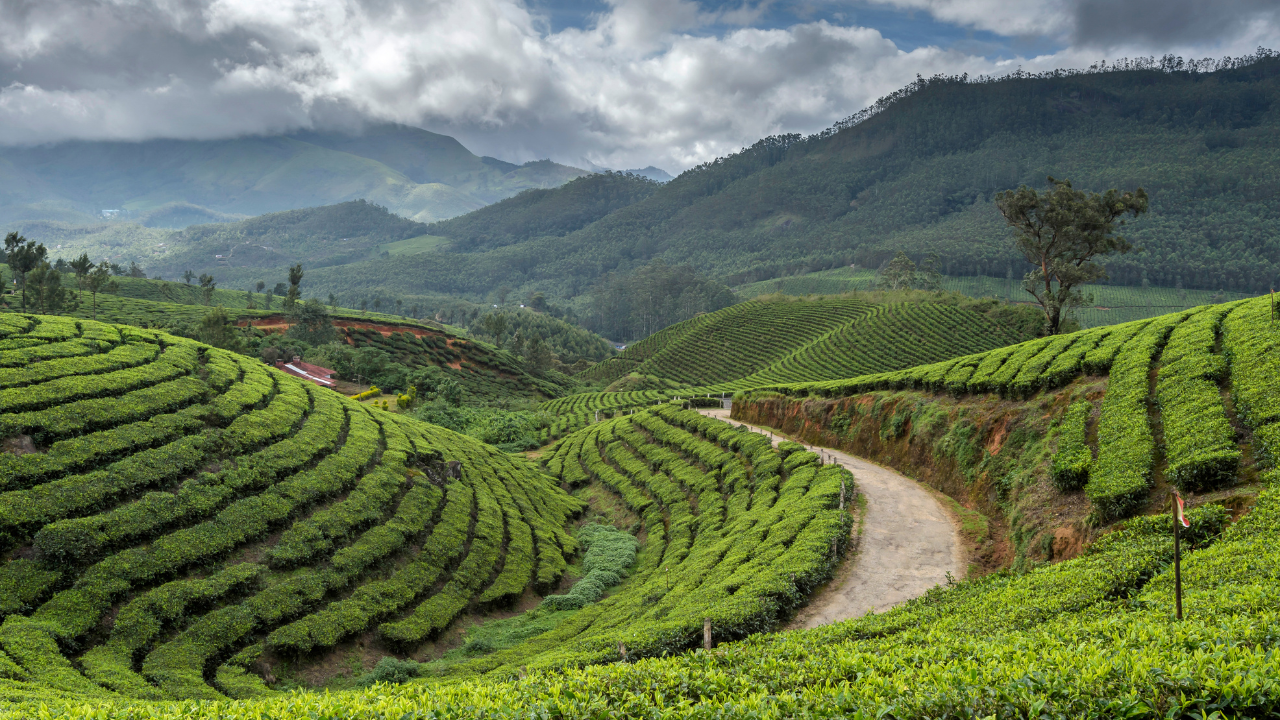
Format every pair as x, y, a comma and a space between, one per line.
316, 374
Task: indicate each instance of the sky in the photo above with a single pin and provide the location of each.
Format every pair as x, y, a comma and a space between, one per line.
593, 83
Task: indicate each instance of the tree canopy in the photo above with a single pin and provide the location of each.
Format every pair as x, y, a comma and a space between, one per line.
1061, 232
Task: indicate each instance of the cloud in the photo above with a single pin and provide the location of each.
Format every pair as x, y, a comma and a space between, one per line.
665, 82
1159, 23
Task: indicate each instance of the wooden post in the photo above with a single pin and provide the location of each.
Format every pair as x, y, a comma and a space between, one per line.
706, 633
1177, 562
622, 650
841, 493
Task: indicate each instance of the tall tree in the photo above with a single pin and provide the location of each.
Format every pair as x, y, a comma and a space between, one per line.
23, 256
188, 276
82, 266
1061, 232
899, 273
295, 279
47, 294
99, 280
207, 286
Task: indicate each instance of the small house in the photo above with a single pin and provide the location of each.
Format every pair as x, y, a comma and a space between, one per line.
316, 374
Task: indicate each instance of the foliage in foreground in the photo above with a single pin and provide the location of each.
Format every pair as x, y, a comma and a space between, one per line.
1091, 637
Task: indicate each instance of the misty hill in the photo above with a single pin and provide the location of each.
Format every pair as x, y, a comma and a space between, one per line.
918, 173
316, 237
413, 172
545, 213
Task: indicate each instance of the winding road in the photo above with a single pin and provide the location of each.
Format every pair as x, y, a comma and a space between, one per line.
909, 544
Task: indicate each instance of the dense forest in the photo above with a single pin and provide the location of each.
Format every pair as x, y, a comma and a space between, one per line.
918, 171
544, 213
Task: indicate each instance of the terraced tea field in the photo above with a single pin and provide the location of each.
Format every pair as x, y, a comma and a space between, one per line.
1179, 363
1112, 304
774, 341
171, 513
735, 531
729, 343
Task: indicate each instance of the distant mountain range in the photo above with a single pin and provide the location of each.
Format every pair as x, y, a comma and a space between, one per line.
417, 174
917, 173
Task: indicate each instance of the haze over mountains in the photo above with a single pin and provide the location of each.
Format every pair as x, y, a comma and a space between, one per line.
417, 174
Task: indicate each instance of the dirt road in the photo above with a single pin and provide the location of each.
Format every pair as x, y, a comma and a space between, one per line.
908, 544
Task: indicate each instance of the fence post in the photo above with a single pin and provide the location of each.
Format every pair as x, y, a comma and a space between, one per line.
841, 493
706, 633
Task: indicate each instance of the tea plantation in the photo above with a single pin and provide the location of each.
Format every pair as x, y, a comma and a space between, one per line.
170, 512
159, 543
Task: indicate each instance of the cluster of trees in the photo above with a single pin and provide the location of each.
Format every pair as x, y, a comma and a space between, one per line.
39, 284
636, 305
901, 273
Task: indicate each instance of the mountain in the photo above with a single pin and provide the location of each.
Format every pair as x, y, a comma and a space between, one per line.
316, 237
918, 173
413, 172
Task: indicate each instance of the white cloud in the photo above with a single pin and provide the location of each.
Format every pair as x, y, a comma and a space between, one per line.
645, 83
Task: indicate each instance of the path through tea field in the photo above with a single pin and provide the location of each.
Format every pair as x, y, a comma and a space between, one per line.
909, 544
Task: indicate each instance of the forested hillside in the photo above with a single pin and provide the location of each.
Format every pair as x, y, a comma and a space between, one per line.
919, 174
241, 253
544, 213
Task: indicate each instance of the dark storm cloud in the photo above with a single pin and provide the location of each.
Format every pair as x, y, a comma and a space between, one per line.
1157, 23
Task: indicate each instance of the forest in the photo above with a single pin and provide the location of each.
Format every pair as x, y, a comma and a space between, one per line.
918, 174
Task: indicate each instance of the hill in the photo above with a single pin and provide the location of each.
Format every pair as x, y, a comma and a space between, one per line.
544, 213
318, 237
182, 516
160, 483
416, 173
421, 353
1076, 637
825, 337
918, 171
1112, 304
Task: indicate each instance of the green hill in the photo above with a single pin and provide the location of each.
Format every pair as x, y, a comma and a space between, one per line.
544, 213
179, 487
1111, 304
918, 174
826, 337
180, 515
733, 531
